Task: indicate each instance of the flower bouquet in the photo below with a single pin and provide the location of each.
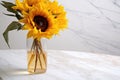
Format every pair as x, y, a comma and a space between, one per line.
42, 19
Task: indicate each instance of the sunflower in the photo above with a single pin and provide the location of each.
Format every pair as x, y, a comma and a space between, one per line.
44, 19
21, 6
33, 2
59, 14
25, 5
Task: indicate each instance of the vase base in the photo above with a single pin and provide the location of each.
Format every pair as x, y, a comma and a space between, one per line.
36, 63
36, 72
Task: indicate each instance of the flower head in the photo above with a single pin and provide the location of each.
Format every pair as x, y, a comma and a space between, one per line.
42, 18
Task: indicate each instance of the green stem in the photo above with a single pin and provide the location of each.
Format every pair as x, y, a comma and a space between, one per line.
37, 49
33, 45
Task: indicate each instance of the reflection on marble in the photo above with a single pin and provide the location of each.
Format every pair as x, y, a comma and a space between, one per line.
62, 65
94, 25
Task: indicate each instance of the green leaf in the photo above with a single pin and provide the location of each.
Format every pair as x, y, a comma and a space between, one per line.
9, 6
14, 25
18, 16
20, 27
9, 14
5, 35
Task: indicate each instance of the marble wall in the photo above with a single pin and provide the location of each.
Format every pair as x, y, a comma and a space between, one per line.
94, 26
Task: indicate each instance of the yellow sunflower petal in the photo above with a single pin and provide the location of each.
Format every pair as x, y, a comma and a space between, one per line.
21, 6
45, 10
29, 34
27, 27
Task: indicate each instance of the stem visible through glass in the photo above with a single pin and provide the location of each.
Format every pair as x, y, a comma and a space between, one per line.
38, 56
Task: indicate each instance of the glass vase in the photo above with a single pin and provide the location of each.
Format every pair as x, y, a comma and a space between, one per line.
36, 55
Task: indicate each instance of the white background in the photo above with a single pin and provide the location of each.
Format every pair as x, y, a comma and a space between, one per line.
94, 26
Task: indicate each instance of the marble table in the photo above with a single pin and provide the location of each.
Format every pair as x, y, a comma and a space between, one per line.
62, 65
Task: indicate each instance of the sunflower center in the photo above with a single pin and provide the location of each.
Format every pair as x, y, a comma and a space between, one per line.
41, 23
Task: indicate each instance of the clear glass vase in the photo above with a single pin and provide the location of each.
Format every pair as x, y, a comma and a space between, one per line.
36, 55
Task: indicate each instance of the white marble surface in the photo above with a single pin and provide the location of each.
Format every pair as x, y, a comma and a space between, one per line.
62, 65
94, 26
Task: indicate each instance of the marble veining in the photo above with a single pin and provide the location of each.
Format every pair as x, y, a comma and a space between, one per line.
62, 65
96, 25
